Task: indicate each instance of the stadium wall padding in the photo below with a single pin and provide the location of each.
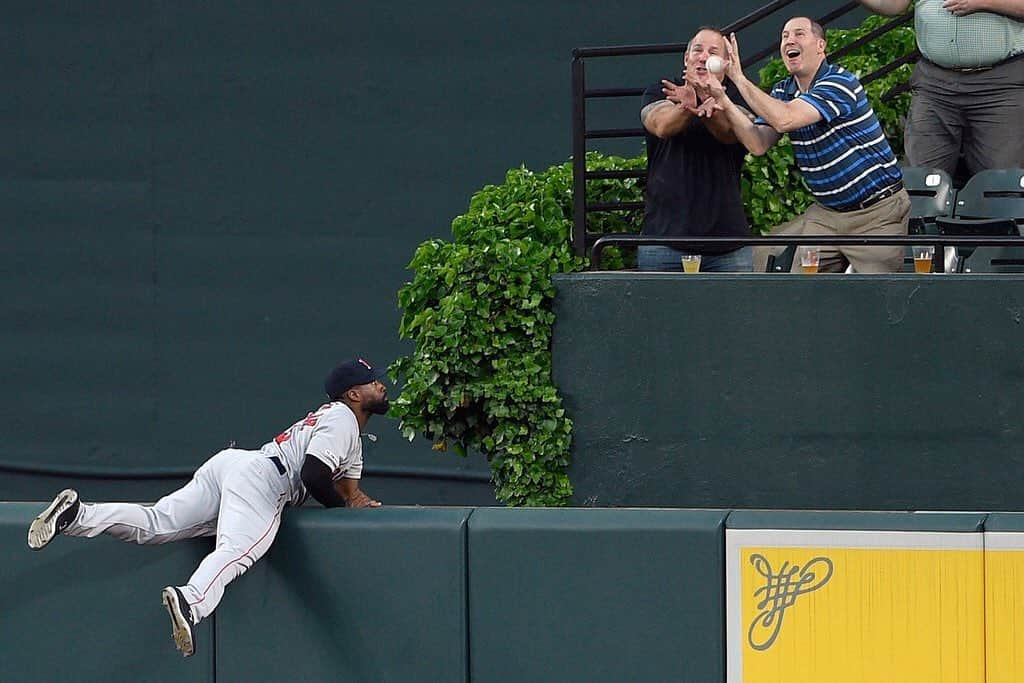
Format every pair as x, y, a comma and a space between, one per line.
367, 595
585, 595
90, 610
494, 594
895, 392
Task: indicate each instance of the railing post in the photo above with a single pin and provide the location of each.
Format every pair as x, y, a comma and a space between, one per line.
579, 158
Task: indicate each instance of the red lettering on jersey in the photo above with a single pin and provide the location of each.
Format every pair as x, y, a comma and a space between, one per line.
310, 421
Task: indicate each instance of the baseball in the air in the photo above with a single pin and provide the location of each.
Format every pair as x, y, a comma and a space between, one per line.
715, 64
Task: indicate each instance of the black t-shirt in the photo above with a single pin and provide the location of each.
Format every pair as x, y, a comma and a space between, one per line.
693, 181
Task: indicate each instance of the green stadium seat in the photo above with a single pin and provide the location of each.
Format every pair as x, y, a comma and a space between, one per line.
990, 204
782, 262
931, 195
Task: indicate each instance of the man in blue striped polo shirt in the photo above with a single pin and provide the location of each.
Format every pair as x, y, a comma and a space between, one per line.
839, 145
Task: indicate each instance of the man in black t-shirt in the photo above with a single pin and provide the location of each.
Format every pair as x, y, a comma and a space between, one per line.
693, 167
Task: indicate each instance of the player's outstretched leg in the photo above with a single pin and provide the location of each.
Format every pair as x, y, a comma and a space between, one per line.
181, 620
54, 519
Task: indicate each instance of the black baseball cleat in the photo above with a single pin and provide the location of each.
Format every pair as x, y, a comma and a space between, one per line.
54, 519
181, 620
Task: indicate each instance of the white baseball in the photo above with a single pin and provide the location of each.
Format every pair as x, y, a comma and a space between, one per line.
715, 64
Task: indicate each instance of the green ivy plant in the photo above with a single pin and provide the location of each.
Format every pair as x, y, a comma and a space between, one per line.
479, 307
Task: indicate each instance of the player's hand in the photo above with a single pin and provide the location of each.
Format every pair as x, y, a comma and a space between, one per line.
961, 8
679, 94
361, 500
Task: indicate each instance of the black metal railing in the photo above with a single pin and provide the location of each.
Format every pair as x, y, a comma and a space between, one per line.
581, 238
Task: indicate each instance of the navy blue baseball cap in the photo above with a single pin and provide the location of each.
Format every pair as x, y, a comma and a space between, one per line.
350, 374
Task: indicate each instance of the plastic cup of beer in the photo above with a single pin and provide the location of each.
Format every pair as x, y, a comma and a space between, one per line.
809, 260
923, 258
691, 263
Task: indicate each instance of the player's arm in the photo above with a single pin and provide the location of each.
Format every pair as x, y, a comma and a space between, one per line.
316, 476
354, 497
889, 8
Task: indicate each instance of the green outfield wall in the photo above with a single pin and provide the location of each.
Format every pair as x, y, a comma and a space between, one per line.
475, 595
402, 594
898, 392
90, 610
352, 595
585, 595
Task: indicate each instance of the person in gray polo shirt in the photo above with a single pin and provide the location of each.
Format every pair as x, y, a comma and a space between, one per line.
968, 86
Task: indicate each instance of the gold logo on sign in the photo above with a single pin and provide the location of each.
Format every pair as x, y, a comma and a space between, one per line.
779, 593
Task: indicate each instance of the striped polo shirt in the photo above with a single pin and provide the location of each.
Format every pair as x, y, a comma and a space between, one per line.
844, 157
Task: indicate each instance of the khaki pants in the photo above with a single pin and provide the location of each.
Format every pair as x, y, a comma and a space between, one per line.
886, 218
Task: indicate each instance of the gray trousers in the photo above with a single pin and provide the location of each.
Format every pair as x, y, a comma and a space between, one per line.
237, 495
975, 114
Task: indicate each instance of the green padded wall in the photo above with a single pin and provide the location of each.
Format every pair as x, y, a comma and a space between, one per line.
351, 595
89, 610
579, 595
1005, 521
967, 522
786, 391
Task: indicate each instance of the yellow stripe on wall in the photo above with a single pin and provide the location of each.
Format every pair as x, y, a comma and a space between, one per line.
1004, 607
850, 615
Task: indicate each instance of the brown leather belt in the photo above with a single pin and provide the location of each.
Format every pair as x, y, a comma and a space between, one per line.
873, 199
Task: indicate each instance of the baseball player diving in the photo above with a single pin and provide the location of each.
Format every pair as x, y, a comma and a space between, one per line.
238, 496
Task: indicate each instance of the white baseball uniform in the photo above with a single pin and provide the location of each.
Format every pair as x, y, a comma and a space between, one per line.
239, 496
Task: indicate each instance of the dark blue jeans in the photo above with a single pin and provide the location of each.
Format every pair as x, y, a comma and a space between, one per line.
666, 258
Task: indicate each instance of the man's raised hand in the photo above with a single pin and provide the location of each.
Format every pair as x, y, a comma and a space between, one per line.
679, 94
733, 65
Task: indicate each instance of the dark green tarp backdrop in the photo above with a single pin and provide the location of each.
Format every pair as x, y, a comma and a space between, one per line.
206, 205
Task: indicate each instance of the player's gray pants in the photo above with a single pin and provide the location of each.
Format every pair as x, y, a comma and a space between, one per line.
239, 495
